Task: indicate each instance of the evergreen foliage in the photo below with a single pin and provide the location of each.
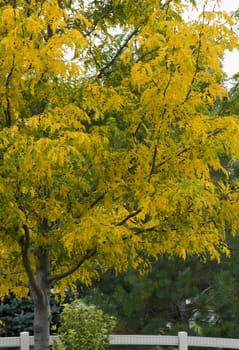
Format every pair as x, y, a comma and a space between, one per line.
198, 297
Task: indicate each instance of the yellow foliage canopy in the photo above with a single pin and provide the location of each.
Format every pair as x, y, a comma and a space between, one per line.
110, 152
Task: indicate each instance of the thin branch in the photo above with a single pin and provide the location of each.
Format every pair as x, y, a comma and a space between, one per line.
196, 70
97, 200
89, 254
168, 84
164, 161
117, 54
93, 28
8, 114
130, 216
197, 60
153, 163
166, 4
186, 149
144, 56
24, 243
140, 231
8, 111
9, 75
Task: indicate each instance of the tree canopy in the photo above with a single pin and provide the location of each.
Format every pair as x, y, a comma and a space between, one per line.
110, 151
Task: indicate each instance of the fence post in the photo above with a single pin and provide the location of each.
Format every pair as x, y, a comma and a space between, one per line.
24, 341
182, 341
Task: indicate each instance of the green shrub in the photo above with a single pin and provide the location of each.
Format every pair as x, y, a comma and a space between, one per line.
84, 328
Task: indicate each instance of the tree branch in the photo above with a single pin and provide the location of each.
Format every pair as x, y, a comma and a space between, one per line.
98, 199
8, 78
148, 229
131, 215
153, 163
186, 149
166, 4
197, 61
176, 155
140, 231
89, 254
168, 84
24, 243
117, 54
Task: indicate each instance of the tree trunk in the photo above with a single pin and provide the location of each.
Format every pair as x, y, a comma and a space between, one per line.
41, 324
41, 282
41, 296
40, 287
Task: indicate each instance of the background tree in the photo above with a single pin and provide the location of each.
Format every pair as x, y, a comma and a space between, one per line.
198, 297
17, 314
107, 150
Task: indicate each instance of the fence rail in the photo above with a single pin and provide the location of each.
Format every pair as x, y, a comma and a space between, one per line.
181, 340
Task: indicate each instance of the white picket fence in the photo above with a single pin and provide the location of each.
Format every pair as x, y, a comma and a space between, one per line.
181, 340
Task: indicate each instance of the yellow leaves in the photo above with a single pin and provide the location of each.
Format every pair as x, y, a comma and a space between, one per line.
101, 99
76, 37
58, 120
9, 15
34, 46
122, 164
108, 202
174, 74
114, 103
58, 46
33, 26
53, 15
137, 77
50, 209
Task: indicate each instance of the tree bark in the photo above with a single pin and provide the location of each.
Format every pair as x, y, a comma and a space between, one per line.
40, 288
42, 312
41, 325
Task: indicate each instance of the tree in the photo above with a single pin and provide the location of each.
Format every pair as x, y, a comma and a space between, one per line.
14, 315
198, 297
17, 315
109, 148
